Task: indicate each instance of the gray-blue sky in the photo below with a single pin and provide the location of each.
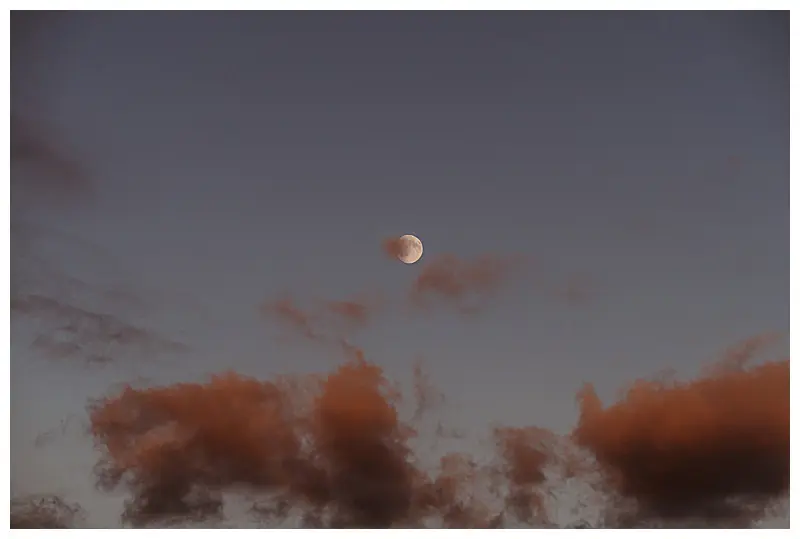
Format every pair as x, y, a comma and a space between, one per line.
240, 156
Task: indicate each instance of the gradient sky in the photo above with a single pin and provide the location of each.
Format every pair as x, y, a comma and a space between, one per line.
241, 156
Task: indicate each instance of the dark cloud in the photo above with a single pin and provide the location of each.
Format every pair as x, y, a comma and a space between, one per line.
69, 331
45, 512
711, 449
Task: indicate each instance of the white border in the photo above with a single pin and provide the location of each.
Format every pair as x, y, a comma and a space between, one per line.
406, 4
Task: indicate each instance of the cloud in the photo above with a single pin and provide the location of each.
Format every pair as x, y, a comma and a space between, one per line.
715, 448
526, 454
45, 172
42, 169
466, 285
328, 322
395, 247
351, 311
45, 512
332, 450
69, 331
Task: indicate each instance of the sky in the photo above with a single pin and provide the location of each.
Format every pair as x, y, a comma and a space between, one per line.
236, 158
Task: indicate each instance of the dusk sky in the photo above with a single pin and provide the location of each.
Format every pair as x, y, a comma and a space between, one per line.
240, 157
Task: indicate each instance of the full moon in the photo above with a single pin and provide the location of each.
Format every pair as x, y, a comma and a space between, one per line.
411, 249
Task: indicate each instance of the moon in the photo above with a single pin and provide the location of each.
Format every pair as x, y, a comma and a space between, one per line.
411, 249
